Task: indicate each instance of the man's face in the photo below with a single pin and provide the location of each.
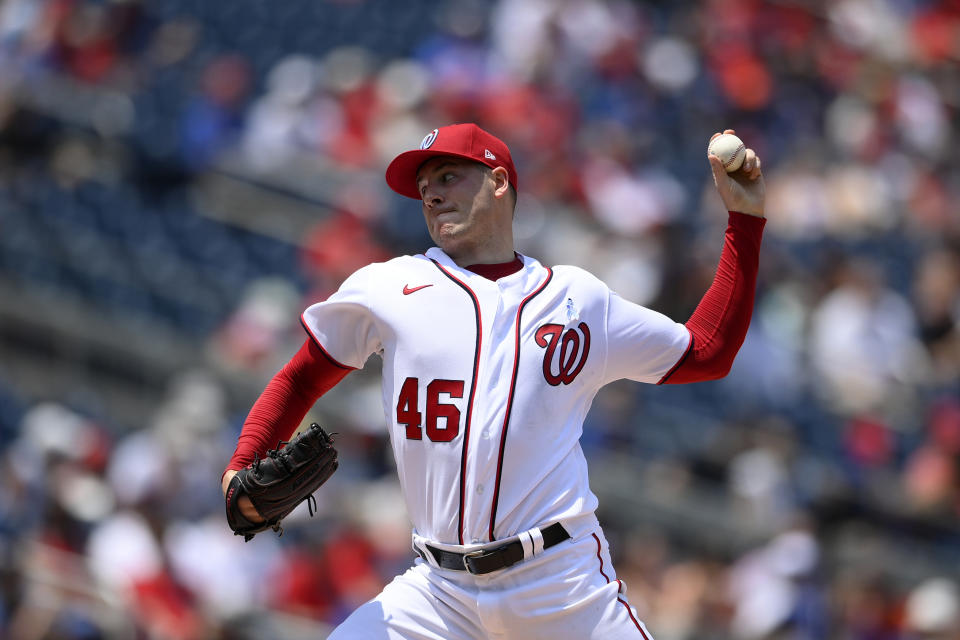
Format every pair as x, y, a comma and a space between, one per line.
458, 205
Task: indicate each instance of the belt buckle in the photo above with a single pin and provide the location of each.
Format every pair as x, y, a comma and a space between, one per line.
466, 557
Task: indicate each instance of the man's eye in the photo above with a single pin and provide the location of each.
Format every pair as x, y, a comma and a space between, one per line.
447, 177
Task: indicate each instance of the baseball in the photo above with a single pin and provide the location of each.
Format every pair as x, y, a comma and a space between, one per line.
730, 149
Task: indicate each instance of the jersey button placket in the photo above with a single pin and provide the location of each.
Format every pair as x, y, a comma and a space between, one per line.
480, 433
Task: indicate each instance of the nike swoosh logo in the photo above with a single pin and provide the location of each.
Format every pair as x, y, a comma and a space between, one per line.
407, 290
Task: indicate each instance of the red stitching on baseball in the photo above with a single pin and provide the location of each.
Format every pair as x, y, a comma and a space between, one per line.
734, 156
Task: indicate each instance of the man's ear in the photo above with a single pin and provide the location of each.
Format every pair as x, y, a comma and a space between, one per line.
501, 180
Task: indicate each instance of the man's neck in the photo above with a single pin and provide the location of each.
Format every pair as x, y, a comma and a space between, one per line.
496, 271
467, 259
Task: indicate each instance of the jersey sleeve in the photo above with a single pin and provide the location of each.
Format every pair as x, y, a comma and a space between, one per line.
642, 344
344, 325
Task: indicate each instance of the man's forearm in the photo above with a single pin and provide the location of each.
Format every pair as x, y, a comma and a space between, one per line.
719, 324
285, 401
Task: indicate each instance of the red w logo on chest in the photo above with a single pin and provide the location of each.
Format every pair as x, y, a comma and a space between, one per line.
569, 358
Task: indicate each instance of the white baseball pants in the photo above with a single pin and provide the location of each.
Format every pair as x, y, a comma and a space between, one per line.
569, 592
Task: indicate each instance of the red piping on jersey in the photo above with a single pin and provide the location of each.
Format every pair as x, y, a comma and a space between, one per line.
600, 558
682, 359
513, 384
619, 589
332, 360
630, 613
473, 391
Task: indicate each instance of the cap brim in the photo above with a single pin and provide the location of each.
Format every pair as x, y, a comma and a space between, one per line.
402, 172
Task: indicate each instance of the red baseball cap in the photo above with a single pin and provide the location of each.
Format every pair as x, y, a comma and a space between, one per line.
459, 140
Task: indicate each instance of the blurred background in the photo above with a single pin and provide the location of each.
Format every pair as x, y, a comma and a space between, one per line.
179, 179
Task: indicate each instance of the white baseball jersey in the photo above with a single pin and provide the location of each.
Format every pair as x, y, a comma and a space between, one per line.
486, 384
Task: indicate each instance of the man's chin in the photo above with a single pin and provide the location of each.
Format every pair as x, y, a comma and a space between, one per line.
448, 228
449, 243
446, 235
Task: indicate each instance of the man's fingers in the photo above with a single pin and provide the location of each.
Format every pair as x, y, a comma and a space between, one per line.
248, 510
751, 164
719, 133
716, 166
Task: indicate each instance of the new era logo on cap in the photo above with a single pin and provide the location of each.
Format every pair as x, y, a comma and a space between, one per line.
458, 140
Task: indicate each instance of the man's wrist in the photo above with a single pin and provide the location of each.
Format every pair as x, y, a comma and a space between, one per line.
226, 478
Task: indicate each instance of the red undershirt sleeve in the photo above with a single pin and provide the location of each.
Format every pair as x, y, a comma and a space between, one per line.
285, 401
719, 324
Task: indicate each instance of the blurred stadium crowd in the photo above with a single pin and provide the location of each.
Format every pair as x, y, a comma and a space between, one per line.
178, 180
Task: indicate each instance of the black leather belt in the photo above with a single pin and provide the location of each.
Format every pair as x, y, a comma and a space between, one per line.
488, 560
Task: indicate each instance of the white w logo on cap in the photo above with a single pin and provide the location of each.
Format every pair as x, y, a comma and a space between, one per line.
428, 139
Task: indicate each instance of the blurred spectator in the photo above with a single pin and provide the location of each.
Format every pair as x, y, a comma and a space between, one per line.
125, 557
767, 589
759, 484
933, 609
866, 606
344, 241
291, 116
930, 476
863, 345
214, 117
259, 324
936, 291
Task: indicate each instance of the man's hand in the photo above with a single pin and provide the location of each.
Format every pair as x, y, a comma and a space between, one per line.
742, 190
260, 495
246, 507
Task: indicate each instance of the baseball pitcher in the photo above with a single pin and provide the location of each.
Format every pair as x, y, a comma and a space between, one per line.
490, 362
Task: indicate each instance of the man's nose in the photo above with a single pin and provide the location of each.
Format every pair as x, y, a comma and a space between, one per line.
432, 197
